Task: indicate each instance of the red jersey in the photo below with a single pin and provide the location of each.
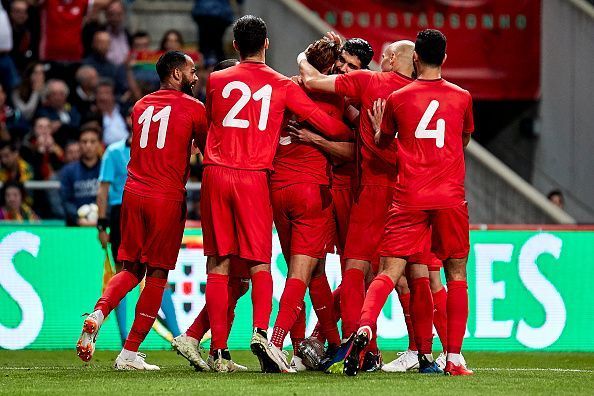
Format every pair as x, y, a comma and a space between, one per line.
164, 124
303, 163
246, 105
61, 29
378, 166
430, 117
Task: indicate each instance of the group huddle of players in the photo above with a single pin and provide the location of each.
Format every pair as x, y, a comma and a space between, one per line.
340, 158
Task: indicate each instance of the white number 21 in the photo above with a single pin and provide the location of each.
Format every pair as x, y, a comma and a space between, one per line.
438, 133
147, 117
262, 94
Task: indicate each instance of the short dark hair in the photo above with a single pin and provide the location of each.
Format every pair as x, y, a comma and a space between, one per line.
168, 62
430, 46
106, 82
91, 126
555, 192
140, 34
12, 145
250, 34
225, 64
359, 48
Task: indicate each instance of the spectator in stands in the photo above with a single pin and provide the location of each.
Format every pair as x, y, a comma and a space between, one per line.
213, 17
41, 150
27, 96
557, 198
83, 96
24, 46
61, 28
71, 151
11, 122
65, 118
14, 207
119, 46
79, 180
12, 166
9, 76
98, 59
112, 118
172, 40
141, 41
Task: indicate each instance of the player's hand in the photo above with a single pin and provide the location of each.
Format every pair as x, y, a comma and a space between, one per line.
195, 150
376, 114
301, 135
334, 37
104, 239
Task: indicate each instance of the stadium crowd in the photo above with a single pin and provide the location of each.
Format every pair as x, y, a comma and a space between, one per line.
69, 74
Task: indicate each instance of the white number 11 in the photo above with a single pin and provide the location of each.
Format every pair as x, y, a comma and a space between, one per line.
147, 117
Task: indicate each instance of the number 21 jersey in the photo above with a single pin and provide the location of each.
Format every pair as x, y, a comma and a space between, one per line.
246, 105
430, 117
164, 123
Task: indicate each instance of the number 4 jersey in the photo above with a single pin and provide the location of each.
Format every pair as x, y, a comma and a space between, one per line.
164, 123
245, 105
430, 117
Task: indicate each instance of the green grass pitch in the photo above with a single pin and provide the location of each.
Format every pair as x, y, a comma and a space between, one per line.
61, 372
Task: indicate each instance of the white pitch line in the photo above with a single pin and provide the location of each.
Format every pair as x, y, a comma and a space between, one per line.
557, 370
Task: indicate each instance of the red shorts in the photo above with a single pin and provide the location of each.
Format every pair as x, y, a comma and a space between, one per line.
152, 230
236, 213
426, 257
367, 222
342, 200
303, 219
408, 229
239, 268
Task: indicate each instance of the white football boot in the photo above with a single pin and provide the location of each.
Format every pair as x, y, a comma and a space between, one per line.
85, 347
189, 348
137, 364
407, 360
297, 364
442, 360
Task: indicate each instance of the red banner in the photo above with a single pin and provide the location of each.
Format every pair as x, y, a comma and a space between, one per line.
493, 45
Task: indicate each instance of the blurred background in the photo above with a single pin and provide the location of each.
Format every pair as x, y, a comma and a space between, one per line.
69, 67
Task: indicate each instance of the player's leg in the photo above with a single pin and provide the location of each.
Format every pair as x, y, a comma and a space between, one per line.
147, 309
450, 241
297, 334
115, 239
440, 316
408, 359
217, 301
323, 304
421, 309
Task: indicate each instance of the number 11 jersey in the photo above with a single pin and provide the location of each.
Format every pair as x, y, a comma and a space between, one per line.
430, 117
245, 106
164, 123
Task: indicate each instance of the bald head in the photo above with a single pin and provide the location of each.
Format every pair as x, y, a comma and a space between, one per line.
397, 57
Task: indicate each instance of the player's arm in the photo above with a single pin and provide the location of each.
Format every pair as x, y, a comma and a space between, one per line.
301, 105
102, 223
351, 113
313, 79
339, 151
383, 124
468, 123
200, 130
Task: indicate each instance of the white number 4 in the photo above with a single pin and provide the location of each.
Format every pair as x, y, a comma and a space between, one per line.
438, 133
262, 94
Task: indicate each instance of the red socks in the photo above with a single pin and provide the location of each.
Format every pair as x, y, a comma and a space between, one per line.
290, 307
457, 308
298, 329
202, 324
421, 309
440, 315
377, 294
323, 303
147, 309
352, 296
317, 332
405, 302
116, 289
262, 298
217, 300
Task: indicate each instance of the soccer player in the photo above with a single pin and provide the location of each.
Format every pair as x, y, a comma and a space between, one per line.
246, 105
433, 118
302, 209
153, 208
378, 171
188, 344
